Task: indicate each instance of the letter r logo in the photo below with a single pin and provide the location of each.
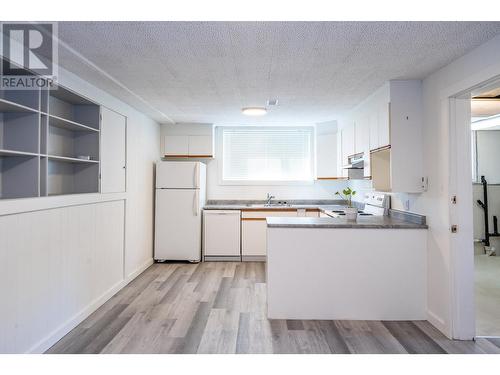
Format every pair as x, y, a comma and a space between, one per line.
27, 48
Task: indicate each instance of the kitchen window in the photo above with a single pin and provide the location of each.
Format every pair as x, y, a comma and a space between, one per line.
266, 154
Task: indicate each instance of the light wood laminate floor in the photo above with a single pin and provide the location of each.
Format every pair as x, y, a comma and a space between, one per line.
487, 288
221, 308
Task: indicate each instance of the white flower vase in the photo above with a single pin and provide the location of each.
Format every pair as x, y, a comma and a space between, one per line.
351, 213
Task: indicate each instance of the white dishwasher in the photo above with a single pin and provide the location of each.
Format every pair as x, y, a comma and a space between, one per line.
221, 235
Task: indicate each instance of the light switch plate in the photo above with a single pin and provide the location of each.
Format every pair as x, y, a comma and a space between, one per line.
425, 183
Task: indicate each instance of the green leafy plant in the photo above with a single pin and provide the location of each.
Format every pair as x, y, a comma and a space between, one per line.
347, 195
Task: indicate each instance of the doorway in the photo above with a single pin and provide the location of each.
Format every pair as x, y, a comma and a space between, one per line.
485, 166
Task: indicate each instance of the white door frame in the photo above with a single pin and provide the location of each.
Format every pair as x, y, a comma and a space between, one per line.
463, 325
461, 243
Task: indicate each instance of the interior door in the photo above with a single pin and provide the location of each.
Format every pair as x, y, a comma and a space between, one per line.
113, 151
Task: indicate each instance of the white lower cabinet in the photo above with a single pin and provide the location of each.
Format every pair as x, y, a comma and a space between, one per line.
233, 234
254, 236
221, 237
254, 232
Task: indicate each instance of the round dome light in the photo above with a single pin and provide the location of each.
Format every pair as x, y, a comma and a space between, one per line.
254, 111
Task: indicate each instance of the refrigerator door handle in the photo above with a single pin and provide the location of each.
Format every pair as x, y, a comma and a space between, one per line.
195, 204
196, 176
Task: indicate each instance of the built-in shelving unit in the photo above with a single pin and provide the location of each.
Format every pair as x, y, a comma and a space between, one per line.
49, 143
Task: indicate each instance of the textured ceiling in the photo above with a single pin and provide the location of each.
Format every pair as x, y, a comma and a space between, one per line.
207, 71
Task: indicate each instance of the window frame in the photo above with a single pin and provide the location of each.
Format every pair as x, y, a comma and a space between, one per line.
220, 158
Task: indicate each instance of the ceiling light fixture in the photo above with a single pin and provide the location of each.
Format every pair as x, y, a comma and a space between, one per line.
254, 111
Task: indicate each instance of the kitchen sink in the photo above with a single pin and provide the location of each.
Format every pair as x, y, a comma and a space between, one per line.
278, 205
268, 205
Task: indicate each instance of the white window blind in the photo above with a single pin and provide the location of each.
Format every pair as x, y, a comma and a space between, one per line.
267, 154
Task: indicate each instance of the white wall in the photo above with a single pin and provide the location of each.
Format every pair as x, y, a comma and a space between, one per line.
67, 274
478, 66
143, 147
481, 64
216, 190
56, 266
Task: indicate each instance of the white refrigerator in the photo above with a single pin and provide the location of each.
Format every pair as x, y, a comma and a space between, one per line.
180, 197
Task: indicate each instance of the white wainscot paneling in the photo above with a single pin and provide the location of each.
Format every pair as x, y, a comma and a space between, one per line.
56, 267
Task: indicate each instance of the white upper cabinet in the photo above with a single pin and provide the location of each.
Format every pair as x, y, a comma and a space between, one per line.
187, 140
384, 125
362, 141
362, 134
400, 167
379, 125
373, 130
348, 142
200, 145
326, 156
113, 154
176, 145
388, 130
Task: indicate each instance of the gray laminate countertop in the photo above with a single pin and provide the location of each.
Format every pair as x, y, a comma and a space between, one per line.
260, 207
325, 204
363, 222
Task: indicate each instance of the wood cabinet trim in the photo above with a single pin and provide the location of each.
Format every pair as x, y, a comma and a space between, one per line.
189, 156
331, 178
253, 219
271, 209
382, 148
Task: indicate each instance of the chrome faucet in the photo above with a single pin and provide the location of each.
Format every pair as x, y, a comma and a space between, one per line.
269, 198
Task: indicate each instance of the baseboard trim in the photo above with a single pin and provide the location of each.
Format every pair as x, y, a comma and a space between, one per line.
53, 337
131, 276
254, 258
439, 323
212, 258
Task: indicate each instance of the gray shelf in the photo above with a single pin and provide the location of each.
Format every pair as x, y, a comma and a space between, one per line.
68, 143
69, 125
8, 106
65, 177
19, 131
66, 105
22, 99
41, 135
65, 159
18, 176
4, 152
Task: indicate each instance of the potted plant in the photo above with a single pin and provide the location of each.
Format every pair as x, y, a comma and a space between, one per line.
351, 212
